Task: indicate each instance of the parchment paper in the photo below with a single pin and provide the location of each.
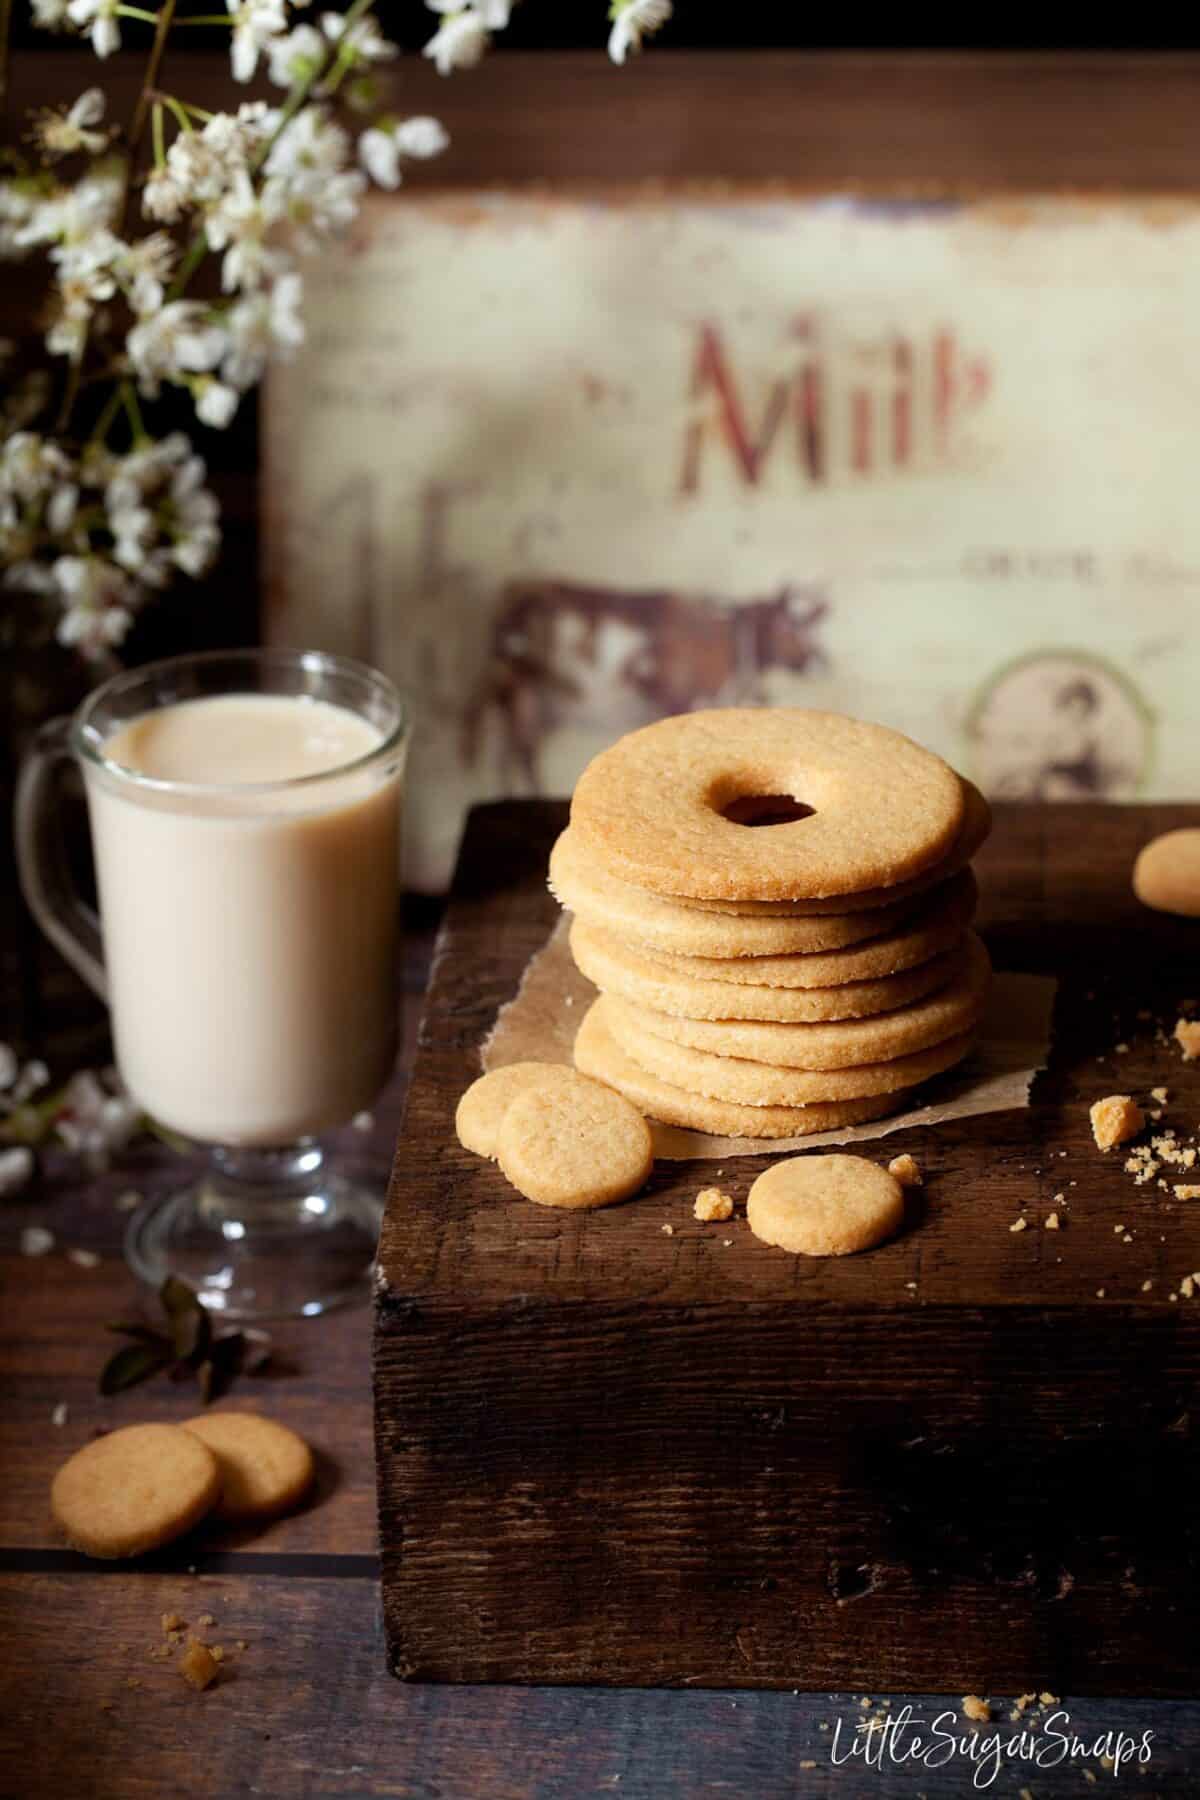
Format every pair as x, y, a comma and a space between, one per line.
539, 1025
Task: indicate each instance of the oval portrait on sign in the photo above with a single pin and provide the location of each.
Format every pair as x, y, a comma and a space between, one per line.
1060, 725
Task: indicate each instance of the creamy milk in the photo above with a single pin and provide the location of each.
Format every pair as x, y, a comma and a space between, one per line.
249, 936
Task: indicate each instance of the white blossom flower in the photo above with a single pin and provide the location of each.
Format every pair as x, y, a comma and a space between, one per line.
255, 23
266, 321
178, 339
95, 594
144, 268
459, 41
99, 19
633, 20
216, 402
494, 13
61, 508
293, 57
240, 224
192, 513
62, 132
362, 43
71, 214
10, 1065
51, 15
310, 143
381, 148
16, 1169
94, 1120
163, 196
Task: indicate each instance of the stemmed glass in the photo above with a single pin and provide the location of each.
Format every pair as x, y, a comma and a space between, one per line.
246, 946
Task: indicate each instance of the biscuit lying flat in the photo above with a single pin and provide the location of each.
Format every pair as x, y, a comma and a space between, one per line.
825, 1205
1166, 874
574, 1145
486, 1101
265, 1468
134, 1489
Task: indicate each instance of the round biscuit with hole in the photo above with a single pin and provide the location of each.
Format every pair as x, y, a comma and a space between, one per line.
773, 1084
835, 1043
671, 807
598, 1054
579, 881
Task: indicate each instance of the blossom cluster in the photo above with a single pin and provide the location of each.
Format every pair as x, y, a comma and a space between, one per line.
93, 530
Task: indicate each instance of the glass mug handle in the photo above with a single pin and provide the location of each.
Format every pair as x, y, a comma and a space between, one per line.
50, 893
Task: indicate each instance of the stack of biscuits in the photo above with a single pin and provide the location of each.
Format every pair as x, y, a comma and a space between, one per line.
775, 906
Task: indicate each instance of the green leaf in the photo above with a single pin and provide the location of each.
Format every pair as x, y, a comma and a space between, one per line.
131, 1364
190, 1325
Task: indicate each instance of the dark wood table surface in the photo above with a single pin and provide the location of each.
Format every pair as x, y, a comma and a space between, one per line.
308, 1706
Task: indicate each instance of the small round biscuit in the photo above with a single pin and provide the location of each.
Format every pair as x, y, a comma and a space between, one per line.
1166, 874
575, 1146
837, 1043
773, 1084
266, 1468
598, 1053
579, 881
134, 1489
659, 807
825, 1205
477, 1120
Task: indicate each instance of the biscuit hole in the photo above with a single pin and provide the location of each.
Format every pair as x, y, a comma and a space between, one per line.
766, 809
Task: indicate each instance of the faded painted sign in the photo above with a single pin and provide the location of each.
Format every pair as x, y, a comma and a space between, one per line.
563, 465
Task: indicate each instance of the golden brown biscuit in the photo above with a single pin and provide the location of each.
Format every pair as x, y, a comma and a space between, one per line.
764, 1084
975, 827
597, 1053
825, 1205
579, 881
615, 969
266, 1468
1166, 874
835, 1043
936, 923
575, 1146
134, 1489
654, 806
477, 1120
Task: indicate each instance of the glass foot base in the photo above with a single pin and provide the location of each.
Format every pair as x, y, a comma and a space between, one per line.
286, 1245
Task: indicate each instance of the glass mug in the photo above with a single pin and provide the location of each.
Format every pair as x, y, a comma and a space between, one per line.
246, 946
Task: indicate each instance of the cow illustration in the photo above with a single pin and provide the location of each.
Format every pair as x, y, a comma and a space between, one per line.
565, 656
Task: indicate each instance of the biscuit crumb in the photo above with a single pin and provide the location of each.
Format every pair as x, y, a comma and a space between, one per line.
712, 1203
172, 1621
975, 1708
60, 1414
1121, 1049
198, 1665
205, 1620
1019, 1225
1099, 1293
1187, 1190
1160, 1095
668, 1231
1045, 1699
1187, 1036
1187, 1287
1052, 1221
906, 1170
1146, 1286
1114, 1119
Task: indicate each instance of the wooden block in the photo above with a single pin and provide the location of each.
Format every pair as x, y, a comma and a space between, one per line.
964, 1460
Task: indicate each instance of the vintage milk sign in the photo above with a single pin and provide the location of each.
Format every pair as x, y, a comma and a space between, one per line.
563, 465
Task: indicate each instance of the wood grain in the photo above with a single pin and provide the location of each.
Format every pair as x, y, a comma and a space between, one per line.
974, 1416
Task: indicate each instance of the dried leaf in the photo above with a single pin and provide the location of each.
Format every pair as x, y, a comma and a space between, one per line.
131, 1364
136, 1328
